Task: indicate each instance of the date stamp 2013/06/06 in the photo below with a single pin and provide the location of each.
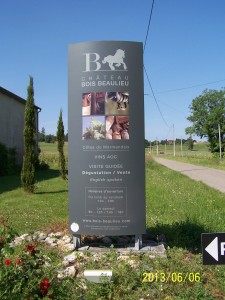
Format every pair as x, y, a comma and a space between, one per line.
174, 277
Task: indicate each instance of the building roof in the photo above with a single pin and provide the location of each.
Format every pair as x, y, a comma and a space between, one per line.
15, 97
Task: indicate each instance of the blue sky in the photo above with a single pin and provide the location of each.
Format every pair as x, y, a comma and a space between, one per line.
185, 48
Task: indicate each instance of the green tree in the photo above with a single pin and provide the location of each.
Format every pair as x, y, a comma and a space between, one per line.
207, 112
147, 144
41, 135
60, 140
50, 138
28, 169
190, 143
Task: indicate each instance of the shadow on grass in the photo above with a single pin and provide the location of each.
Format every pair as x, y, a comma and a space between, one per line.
9, 183
184, 234
54, 192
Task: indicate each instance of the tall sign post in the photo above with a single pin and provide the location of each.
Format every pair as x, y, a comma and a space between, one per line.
106, 139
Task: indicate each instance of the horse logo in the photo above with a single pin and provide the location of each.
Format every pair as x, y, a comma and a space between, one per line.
116, 59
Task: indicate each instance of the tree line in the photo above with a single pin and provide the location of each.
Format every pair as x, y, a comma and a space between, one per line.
49, 138
189, 142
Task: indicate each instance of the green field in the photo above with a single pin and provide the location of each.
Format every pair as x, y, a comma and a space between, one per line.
176, 206
200, 155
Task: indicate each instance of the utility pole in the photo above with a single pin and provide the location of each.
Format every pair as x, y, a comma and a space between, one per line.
220, 142
157, 147
174, 151
181, 146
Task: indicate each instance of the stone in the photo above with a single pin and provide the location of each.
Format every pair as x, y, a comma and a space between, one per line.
123, 257
132, 263
69, 271
24, 236
50, 240
71, 258
42, 236
67, 239
58, 234
60, 243
17, 241
84, 248
65, 263
68, 247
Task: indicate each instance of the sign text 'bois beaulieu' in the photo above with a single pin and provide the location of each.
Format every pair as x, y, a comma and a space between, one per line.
106, 138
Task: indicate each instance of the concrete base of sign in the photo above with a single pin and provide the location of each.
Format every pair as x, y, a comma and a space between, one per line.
137, 246
77, 241
138, 242
152, 250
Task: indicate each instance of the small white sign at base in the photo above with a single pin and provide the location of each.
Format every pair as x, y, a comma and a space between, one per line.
97, 276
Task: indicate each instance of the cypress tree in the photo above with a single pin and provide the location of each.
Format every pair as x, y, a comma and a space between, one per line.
60, 140
28, 169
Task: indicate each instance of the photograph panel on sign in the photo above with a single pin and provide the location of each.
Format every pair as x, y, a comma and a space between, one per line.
93, 128
93, 103
117, 128
117, 103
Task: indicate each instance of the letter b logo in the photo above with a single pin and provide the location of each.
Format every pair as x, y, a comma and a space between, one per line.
92, 63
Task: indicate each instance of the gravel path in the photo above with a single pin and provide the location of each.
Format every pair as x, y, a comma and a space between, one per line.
212, 177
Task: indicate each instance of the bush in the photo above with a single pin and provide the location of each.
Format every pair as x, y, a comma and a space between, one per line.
8, 165
3, 159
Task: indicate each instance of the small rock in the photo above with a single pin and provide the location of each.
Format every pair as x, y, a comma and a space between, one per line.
65, 263
53, 245
17, 241
58, 234
71, 258
132, 263
68, 247
50, 240
84, 248
42, 236
60, 243
67, 239
123, 257
23, 236
69, 271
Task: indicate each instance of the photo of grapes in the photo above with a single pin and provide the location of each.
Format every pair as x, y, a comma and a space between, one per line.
93, 128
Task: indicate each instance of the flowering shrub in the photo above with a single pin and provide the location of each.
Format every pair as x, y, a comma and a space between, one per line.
27, 273
44, 286
7, 234
30, 274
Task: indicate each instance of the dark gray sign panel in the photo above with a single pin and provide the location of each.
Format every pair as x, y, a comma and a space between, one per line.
213, 248
106, 138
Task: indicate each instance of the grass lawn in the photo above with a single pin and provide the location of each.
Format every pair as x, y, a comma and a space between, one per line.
176, 206
30, 212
